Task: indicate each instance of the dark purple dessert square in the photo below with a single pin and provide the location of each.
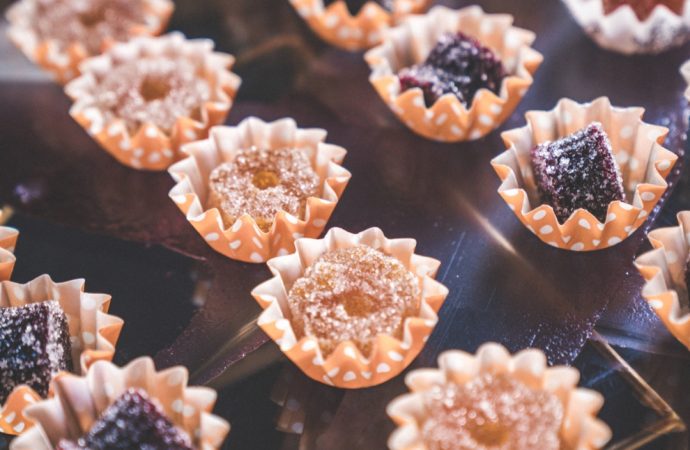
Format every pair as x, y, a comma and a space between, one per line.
132, 421
34, 346
578, 171
458, 65
354, 6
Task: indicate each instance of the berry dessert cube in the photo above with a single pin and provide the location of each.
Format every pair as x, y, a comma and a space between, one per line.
578, 171
459, 65
34, 346
132, 421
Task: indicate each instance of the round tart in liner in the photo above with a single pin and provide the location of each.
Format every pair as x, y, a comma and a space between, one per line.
79, 401
8, 240
149, 147
636, 145
346, 367
664, 272
580, 427
64, 63
244, 240
623, 31
448, 120
93, 333
336, 25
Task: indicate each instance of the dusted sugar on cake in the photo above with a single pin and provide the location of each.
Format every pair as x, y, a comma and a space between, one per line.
578, 171
156, 90
133, 421
491, 412
261, 182
356, 294
34, 346
643, 8
354, 6
88, 22
459, 65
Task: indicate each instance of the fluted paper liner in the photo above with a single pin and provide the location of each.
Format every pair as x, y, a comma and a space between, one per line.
8, 240
622, 31
149, 147
580, 428
636, 145
79, 401
664, 272
448, 120
64, 63
244, 240
337, 26
346, 367
93, 333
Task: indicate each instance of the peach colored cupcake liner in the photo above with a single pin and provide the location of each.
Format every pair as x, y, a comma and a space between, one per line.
244, 240
8, 240
64, 63
79, 401
636, 145
448, 120
149, 147
664, 272
580, 427
93, 333
335, 25
622, 31
346, 367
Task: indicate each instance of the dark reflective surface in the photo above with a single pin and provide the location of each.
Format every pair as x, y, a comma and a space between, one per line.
83, 215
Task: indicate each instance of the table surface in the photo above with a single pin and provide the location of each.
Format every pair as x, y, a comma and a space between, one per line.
81, 214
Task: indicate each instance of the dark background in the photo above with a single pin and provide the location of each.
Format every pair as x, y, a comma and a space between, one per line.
81, 214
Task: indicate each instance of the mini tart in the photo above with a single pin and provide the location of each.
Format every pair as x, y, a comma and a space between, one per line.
623, 31
346, 367
8, 240
244, 240
636, 145
448, 120
337, 26
146, 145
663, 269
580, 428
93, 333
79, 401
63, 60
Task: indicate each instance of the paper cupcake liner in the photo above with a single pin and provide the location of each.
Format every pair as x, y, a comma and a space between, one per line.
346, 367
8, 240
79, 401
335, 25
664, 272
622, 31
93, 333
448, 120
149, 147
580, 428
636, 145
244, 240
64, 63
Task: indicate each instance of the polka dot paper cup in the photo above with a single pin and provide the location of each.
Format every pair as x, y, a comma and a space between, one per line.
623, 31
147, 146
636, 145
580, 427
337, 26
663, 269
8, 240
244, 240
346, 367
63, 60
93, 333
448, 120
189, 408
